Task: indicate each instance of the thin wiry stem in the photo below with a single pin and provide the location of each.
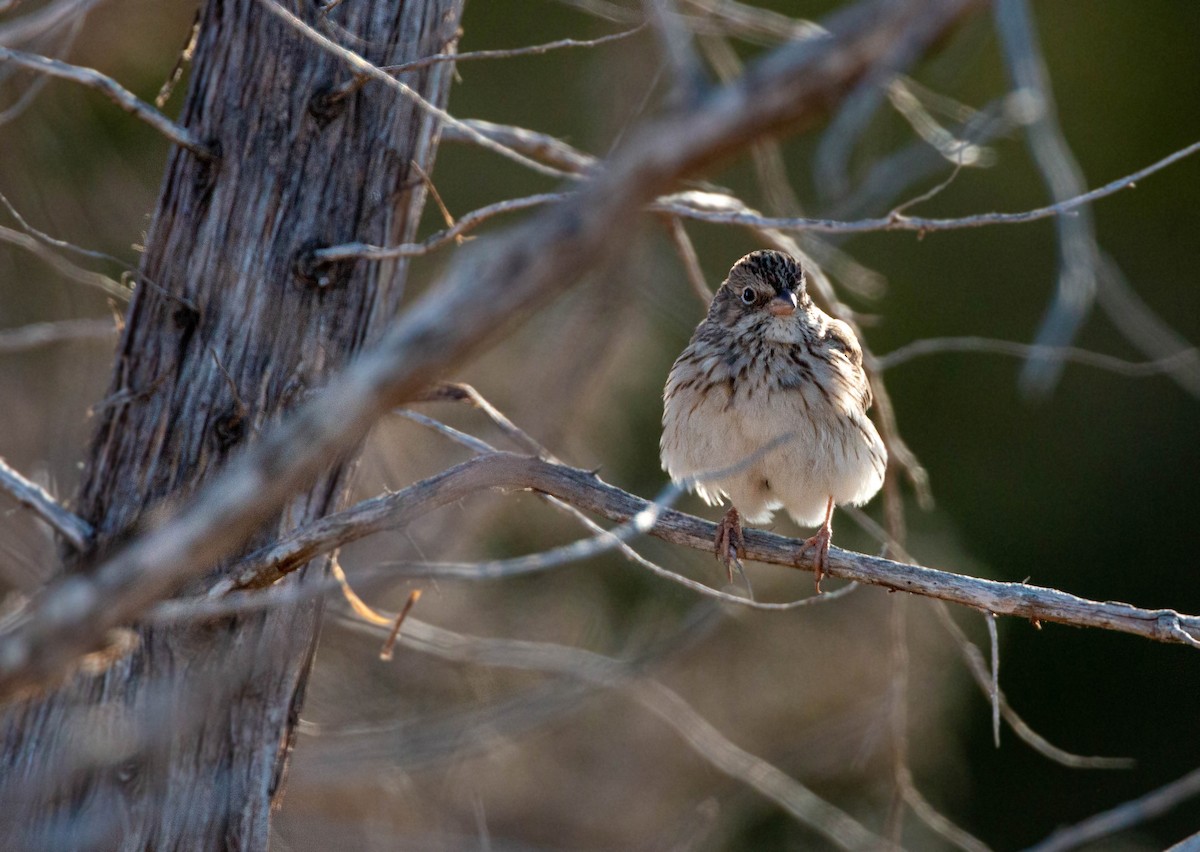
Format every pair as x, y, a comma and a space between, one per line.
1144, 328
65, 267
511, 53
115, 92
39, 334
978, 667
465, 224
1126, 815
687, 255
361, 66
994, 683
532, 143
992, 346
923, 224
29, 494
1078, 251
706, 740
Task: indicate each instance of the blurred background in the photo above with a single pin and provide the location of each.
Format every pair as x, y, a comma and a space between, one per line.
1091, 487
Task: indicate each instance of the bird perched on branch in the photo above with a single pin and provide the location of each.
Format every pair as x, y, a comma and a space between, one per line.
767, 408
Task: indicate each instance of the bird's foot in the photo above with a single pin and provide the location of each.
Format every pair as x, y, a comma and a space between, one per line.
820, 542
730, 544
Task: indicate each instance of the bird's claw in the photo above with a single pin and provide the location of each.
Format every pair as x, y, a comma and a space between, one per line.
730, 543
820, 541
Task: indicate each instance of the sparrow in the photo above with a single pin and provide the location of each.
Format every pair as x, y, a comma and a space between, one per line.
766, 408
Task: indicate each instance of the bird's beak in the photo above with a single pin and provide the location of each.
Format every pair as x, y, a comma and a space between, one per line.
783, 305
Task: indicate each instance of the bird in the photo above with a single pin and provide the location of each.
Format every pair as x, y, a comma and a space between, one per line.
766, 408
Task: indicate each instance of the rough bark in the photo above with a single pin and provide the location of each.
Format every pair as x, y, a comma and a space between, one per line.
183, 743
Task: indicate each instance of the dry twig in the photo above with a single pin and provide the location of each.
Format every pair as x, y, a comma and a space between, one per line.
39, 334
1123, 816
115, 92
71, 527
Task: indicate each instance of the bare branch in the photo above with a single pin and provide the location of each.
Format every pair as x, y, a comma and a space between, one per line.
756, 24
483, 294
979, 670
361, 66
706, 740
40, 334
900, 222
1123, 816
585, 490
532, 143
44, 21
64, 266
986, 345
1144, 328
687, 255
465, 224
678, 50
994, 684
458, 392
29, 494
1078, 252
115, 92
510, 53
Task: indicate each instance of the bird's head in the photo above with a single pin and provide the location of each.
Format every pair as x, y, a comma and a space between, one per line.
762, 285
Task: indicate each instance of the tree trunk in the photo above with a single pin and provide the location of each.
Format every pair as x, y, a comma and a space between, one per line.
183, 742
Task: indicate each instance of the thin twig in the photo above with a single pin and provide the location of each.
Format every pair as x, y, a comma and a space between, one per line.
532, 143
385, 652
467, 223
994, 692
115, 92
1078, 251
29, 494
978, 667
1123, 816
1144, 328
360, 65
973, 657
35, 335
922, 224
64, 267
687, 255
510, 53
668, 705
457, 391
45, 238
991, 346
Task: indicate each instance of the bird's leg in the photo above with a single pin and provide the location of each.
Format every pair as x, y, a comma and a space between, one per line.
821, 542
730, 544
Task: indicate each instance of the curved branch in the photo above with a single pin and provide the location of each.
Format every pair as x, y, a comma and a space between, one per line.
585, 490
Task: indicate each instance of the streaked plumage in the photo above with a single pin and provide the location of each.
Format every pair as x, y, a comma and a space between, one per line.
764, 364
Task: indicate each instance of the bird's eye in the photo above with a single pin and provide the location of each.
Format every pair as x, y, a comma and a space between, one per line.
748, 295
